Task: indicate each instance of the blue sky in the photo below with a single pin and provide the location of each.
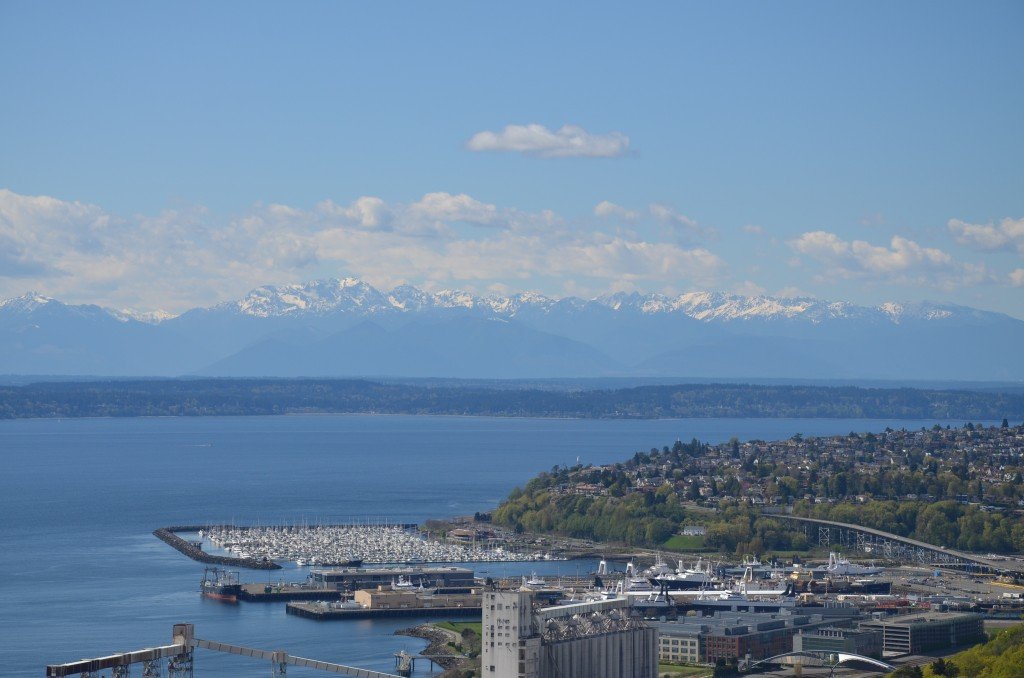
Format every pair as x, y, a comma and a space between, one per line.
166, 155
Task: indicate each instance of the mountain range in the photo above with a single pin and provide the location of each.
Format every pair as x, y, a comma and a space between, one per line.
346, 327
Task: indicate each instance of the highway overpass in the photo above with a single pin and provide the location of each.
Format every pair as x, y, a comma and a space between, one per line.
885, 544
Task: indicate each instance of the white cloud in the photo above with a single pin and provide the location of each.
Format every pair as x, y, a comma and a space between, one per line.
792, 292
367, 212
748, 288
1008, 234
903, 261
617, 258
681, 226
753, 229
178, 259
448, 207
568, 141
1017, 277
606, 209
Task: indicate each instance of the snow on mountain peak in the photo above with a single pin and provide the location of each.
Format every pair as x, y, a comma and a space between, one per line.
26, 302
893, 310
353, 295
149, 317
408, 298
319, 296
454, 299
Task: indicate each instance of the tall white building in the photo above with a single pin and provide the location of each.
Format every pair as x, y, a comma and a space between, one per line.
585, 640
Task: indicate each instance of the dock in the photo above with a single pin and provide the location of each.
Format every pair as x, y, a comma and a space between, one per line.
369, 604
330, 584
321, 612
283, 593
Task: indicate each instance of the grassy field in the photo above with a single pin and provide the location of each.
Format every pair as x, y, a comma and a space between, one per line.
458, 627
673, 670
684, 543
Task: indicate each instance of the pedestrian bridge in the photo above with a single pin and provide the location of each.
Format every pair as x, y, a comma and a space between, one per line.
825, 658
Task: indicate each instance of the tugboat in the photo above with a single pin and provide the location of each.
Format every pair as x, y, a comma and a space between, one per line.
220, 585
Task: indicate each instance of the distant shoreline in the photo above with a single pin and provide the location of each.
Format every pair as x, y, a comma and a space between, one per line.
261, 397
985, 422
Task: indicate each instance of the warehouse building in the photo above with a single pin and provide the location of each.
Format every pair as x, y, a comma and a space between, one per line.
389, 599
353, 578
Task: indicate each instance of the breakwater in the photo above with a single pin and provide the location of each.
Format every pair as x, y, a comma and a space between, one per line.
439, 650
168, 536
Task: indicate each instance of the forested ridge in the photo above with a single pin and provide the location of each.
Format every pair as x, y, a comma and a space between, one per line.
233, 397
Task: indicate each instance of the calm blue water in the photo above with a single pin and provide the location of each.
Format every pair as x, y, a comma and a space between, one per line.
81, 575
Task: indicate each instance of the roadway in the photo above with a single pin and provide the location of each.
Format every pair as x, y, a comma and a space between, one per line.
1008, 566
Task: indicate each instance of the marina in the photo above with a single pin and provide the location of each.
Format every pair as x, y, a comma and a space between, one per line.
326, 545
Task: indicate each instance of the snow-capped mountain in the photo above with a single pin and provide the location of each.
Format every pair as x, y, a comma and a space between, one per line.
26, 303
346, 327
350, 295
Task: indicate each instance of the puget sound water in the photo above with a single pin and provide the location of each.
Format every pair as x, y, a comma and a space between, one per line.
81, 574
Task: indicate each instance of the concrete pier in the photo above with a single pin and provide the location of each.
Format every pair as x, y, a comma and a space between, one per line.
323, 613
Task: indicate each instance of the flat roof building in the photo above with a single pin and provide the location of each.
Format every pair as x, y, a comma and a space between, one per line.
352, 578
865, 642
389, 599
733, 636
916, 633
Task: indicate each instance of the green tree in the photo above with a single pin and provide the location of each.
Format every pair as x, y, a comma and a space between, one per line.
940, 667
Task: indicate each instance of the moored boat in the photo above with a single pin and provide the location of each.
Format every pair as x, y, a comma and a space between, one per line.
220, 584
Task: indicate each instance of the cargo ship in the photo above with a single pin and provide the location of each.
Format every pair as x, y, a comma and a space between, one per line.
220, 584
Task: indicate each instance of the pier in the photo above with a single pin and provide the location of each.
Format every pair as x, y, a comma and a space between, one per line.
283, 593
321, 612
390, 602
330, 584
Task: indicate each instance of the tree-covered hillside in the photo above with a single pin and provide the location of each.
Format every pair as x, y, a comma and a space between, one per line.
198, 397
959, 488
1001, 657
